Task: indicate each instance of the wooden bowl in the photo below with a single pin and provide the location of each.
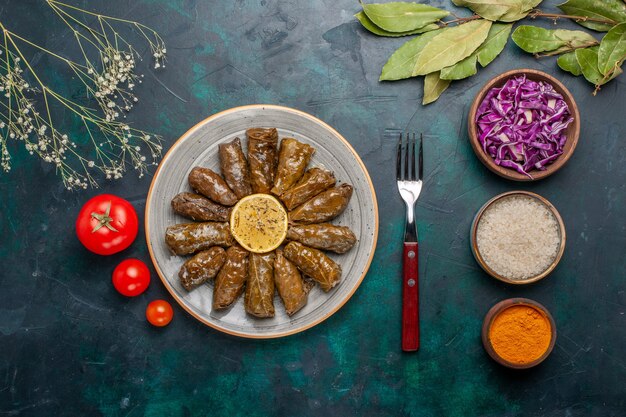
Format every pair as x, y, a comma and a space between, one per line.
572, 132
500, 307
493, 273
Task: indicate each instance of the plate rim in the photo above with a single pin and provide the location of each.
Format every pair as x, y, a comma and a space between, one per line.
166, 283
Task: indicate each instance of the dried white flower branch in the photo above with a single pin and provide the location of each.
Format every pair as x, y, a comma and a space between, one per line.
108, 75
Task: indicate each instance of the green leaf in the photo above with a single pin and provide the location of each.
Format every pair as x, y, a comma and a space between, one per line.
588, 61
614, 10
400, 65
433, 87
461, 70
369, 25
491, 10
567, 62
534, 39
612, 51
450, 46
486, 52
616, 71
494, 44
499, 10
402, 17
524, 9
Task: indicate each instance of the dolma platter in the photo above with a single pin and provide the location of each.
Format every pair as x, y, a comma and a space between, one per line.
199, 147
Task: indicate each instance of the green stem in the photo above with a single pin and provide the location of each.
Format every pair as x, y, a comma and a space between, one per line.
100, 16
78, 69
8, 61
41, 48
97, 35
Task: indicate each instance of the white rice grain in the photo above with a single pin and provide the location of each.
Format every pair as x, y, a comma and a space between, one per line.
518, 237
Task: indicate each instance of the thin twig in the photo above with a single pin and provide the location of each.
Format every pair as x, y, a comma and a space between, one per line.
538, 13
459, 20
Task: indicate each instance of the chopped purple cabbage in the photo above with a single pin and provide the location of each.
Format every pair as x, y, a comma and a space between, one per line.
522, 124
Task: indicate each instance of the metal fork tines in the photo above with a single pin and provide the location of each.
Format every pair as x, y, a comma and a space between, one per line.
409, 185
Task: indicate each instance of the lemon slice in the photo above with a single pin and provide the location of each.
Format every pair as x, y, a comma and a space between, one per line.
259, 223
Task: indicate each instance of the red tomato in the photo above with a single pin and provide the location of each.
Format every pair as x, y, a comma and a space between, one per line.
159, 313
107, 224
131, 277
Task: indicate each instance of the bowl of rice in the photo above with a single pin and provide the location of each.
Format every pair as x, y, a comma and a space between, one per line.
518, 237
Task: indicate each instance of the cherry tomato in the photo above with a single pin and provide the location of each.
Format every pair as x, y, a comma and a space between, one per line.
107, 224
131, 277
159, 313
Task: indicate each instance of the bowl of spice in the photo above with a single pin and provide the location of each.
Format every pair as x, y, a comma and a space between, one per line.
518, 333
524, 125
518, 237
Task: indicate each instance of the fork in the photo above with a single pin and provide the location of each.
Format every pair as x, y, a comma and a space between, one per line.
409, 187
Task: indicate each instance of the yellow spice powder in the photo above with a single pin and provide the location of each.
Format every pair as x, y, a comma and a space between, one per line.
520, 334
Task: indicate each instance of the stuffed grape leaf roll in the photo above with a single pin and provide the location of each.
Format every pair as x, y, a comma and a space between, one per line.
315, 264
262, 157
323, 207
230, 281
199, 208
211, 184
188, 238
293, 290
293, 159
202, 267
325, 236
313, 182
235, 168
259, 298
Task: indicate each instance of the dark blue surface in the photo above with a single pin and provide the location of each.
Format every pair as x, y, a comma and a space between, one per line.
72, 346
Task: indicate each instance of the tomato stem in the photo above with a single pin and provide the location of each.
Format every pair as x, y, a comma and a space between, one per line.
104, 219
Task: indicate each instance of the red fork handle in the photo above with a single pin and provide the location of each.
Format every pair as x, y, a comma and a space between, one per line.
410, 296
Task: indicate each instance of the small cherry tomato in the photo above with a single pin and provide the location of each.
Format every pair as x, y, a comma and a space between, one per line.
159, 313
107, 224
131, 277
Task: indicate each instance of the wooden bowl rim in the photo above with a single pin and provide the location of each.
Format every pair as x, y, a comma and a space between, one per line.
500, 307
481, 261
572, 130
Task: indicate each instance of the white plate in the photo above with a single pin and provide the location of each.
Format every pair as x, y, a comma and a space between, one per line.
199, 146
